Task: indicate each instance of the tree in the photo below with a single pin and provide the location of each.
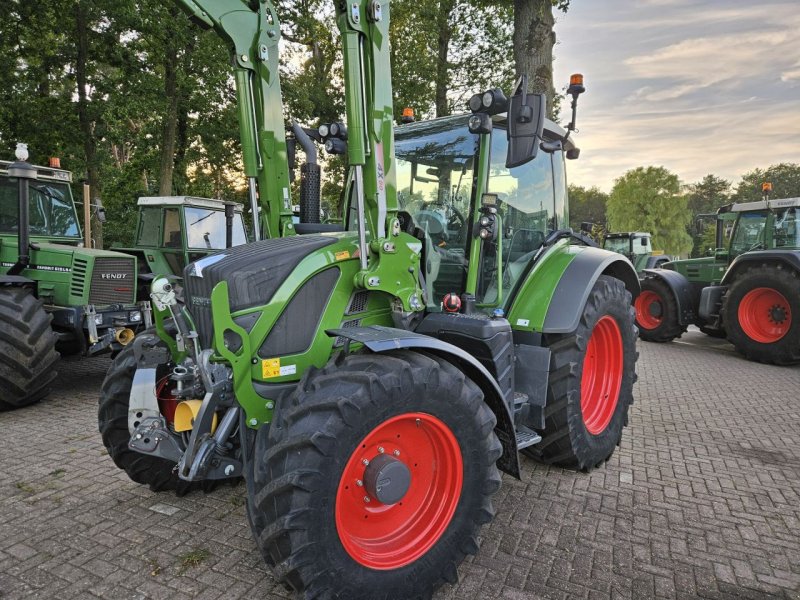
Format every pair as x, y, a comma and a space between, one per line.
705, 197
784, 177
534, 39
650, 199
586, 205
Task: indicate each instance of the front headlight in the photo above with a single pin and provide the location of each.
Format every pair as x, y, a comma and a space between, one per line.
135, 316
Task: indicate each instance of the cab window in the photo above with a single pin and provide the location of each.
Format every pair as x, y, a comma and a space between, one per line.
172, 228
150, 227
750, 232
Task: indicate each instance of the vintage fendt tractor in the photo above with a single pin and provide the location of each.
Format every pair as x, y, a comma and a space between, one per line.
637, 246
369, 383
55, 296
748, 292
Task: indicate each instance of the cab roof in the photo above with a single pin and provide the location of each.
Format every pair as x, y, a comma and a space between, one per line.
765, 204
210, 203
42, 173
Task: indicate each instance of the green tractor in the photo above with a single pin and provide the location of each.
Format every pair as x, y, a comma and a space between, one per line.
55, 296
748, 292
637, 246
172, 231
370, 383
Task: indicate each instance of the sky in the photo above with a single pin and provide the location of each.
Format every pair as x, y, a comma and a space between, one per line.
696, 86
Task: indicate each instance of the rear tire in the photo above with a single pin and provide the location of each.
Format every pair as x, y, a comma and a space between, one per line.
27, 349
657, 312
592, 372
158, 473
761, 313
310, 512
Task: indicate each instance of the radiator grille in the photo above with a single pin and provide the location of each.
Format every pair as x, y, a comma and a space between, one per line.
113, 281
358, 302
78, 277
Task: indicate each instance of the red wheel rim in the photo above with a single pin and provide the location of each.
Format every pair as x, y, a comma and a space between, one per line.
382, 536
602, 375
764, 315
644, 302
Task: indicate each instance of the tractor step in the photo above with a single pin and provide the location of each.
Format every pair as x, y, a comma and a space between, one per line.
526, 437
520, 398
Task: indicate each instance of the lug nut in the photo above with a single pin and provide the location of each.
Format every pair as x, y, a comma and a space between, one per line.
380, 449
359, 483
396, 452
366, 498
364, 461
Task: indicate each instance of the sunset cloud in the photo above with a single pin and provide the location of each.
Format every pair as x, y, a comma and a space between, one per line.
687, 85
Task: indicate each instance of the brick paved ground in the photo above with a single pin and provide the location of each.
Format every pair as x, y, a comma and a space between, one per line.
702, 500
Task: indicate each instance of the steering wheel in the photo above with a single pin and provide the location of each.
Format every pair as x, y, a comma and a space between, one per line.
433, 223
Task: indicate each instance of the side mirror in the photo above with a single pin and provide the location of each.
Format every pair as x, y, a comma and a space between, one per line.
525, 124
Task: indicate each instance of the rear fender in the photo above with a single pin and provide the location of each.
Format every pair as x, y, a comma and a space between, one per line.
552, 298
788, 258
681, 291
18, 281
383, 339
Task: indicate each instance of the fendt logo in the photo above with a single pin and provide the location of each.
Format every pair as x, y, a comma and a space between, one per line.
113, 275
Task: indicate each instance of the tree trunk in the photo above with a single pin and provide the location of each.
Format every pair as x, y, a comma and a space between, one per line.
170, 123
86, 123
533, 46
444, 35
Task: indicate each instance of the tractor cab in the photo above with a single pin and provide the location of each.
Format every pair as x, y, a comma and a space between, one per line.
636, 245
173, 231
763, 225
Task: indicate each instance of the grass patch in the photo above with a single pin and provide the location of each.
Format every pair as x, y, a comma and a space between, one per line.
26, 487
192, 559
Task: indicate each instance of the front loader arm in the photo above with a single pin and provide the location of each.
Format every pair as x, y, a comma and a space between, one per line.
253, 37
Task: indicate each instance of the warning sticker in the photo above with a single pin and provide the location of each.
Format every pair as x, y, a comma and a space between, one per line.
343, 255
271, 367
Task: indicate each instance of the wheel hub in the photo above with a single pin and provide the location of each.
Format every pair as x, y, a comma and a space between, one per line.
777, 314
656, 310
387, 479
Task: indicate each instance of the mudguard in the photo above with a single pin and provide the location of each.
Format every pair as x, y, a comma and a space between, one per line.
790, 258
681, 290
383, 339
552, 298
18, 281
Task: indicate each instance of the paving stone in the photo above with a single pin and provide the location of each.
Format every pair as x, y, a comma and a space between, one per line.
702, 499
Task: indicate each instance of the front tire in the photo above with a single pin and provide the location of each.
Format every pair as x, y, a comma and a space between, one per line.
592, 372
27, 349
657, 312
429, 491
158, 473
761, 313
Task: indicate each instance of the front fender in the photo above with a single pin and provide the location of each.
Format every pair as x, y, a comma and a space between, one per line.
552, 297
384, 339
789, 258
681, 290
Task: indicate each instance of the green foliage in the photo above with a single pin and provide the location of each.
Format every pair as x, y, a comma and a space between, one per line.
586, 205
784, 177
650, 199
705, 197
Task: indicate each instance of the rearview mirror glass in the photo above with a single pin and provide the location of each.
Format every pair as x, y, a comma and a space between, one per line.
525, 124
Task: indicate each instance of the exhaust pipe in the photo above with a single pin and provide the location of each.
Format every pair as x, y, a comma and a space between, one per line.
124, 336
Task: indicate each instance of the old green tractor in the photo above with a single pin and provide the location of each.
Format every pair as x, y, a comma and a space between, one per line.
368, 383
55, 295
637, 246
748, 292
172, 231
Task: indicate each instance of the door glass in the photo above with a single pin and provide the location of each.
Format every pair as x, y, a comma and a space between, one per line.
172, 228
526, 203
435, 163
787, 229
749, 233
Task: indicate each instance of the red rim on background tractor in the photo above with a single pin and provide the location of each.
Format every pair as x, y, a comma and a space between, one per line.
643, 305
764, 315
602, 375
389, 536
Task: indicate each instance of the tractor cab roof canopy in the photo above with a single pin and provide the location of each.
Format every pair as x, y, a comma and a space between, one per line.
627, 234
551, 129
42, 173
764, 204
209, 203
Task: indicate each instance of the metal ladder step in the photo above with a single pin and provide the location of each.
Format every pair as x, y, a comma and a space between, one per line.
526, 437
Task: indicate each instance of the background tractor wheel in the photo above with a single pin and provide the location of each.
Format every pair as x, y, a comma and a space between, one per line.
375, 478
657, 312
156, 472
27, 349
592, 371
761, 312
